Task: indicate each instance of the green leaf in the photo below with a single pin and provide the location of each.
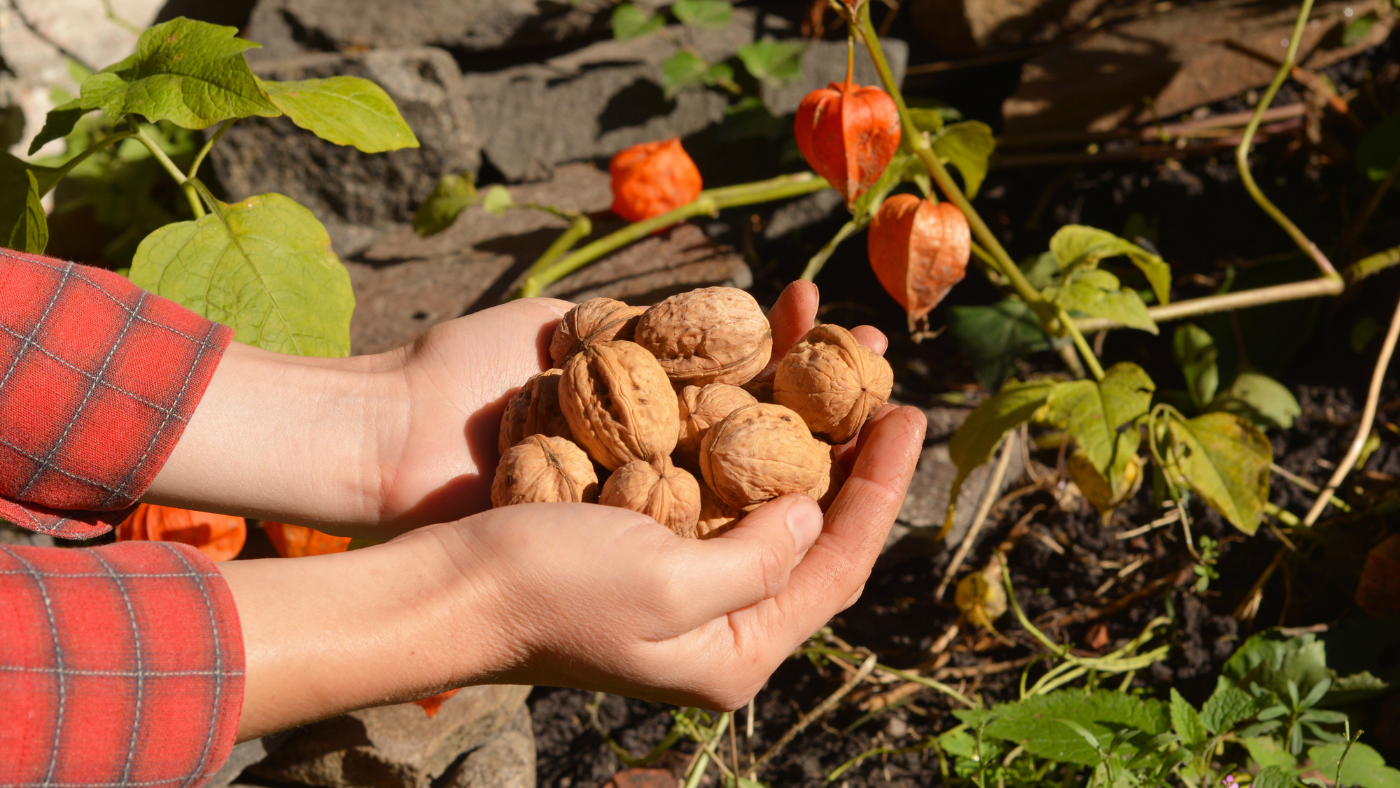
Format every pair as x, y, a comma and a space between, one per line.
1194, 350
263, 266
1228, 706
190, 73
1186, 721
994, 338
452, 195
1042, 270
772, 62
974, 441
23, 224
1271, 659
343, 110
685, 68
1100, 416
31, 233
1038, 722
1098, 293
926, 119
1260, 400
709, 14
629, 22
497, 200
58, 124
1273, 777
1077, 245
1266, 751
1357, 29
967, 146
1363, 766
1379, 149
1225, 460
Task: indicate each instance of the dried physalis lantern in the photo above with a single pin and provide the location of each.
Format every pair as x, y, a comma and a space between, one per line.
296, 541
981, 597
652, 178
918, 251
219, 536
848, 134
433, 704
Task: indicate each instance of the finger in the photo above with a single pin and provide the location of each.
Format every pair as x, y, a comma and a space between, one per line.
752, 561
792, 316
872, 338
847, 452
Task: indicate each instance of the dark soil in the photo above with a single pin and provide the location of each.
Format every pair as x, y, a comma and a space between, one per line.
1208, 227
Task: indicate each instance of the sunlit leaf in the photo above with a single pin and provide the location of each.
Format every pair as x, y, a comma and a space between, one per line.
497, 200
1099, 415
685, 68
974, 441
629, 22
709, 14
452, 195
967, 146
1186, 720
773, 62
1037, 722
1194, 350
1076, 245
1225, 460
1099, 294
994, 338
263, 266
344, 110
1260, 399
1227, 707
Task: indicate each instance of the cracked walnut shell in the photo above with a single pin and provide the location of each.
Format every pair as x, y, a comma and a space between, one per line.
659, 490
594, 320
702, 408
835, 383
709, 335
760, 452
542, 469
619, 404
534, 410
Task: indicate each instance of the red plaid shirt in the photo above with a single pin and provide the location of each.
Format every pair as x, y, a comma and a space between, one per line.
119, 665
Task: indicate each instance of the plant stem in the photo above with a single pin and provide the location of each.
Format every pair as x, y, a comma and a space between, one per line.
68, 166
208, 144
814, 266
579, 228
185, 184
1084, 350
1312, 288
1374, 264
1247, 140
709, 202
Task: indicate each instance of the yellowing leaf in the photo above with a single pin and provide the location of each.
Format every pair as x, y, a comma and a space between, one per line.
1099, 416
974, 441
1076, 245
190, 73
344, 110
1225, 460
1260, 399
263, 266
1097, 293
967, 146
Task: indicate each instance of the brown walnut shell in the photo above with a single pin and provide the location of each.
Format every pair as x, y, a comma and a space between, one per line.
619, 404
659, 490
595, 320
760, 452
716, 516
761, 390
534, 410
830, 485
700, 409
543, 469
835, 383
709, 335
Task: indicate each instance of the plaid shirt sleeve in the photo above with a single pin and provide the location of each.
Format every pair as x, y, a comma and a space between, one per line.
97, 381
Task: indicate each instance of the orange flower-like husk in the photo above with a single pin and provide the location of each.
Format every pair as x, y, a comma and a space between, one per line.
652, 178
918, 251
848, 134
295, 541
431, 705
219, 536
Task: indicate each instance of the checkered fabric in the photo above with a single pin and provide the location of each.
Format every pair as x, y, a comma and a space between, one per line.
97, 381
119, 666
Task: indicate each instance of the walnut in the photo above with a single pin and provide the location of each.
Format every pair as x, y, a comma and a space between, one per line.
700, 409
595, 320
710, 335
534, 410
830, 485
834, 382
619, 403
760, 452
543, 469
761, 390
716, 516
659, 490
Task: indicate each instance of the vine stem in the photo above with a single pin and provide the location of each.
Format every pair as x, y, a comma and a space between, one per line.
1364, 429
1322, 286
709, 202
185, 181
1247, 141
68, 166
1079, 342
814, 266
208, 145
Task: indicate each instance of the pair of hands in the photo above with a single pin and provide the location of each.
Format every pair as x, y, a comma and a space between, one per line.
559, 594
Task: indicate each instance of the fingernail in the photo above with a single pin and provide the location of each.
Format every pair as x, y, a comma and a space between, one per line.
804, 520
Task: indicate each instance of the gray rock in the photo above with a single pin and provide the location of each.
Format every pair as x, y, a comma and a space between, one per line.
246, 754
23, 537
595, 101
405, 284
824, 62
393, 746
506, 761
358, 196
289, 26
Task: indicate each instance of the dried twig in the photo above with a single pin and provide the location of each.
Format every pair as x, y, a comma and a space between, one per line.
988, 498
1164, 520
866, 668
1248, 607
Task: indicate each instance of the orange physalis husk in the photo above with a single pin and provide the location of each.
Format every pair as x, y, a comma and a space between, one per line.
219, 536
652, 178
295, 541
431, 705
848, 134
918, 251
1378, 593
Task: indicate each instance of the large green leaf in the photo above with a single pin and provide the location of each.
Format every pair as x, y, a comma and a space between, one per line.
1098, 293
452, 195
967, 146
975, 440
709, 14
773, 62
190, 73
1100, 415
263, 266
23, 225
1194, 350
343, 110
685, 68
1363, 766
31, 233
1077, 245
1227, 707
1186, 720
1038, 722
1225, 460
994, 338
58, 124
1259, 399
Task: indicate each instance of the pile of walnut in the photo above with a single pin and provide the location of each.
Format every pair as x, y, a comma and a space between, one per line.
658, 397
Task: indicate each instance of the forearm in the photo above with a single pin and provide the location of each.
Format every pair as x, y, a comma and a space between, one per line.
287, 439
